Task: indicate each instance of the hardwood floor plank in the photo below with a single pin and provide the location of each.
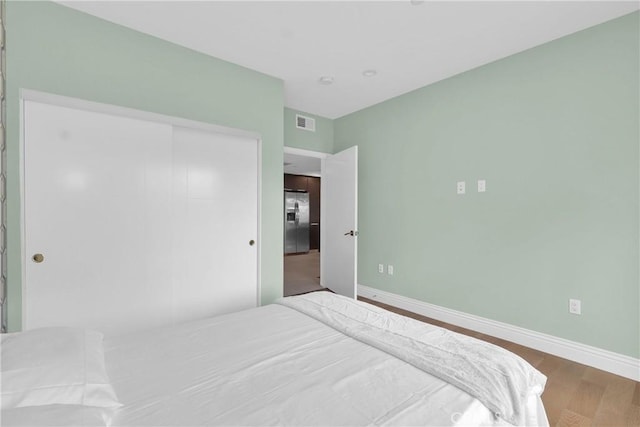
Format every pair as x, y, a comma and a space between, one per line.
618, 393
636, 395
570, 374
555, 399
551, 364
633, 415
597, 376
586, 399
610, 418
571, 419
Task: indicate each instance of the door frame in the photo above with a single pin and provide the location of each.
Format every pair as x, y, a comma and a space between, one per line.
98, 107
322, 156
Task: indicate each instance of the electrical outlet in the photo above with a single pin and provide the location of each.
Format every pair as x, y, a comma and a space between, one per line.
380, 268
390, 270
460, 187
575, 306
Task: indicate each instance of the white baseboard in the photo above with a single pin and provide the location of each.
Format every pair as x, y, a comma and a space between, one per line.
609, 361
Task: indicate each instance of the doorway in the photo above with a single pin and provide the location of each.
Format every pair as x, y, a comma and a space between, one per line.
302, 221
339, 212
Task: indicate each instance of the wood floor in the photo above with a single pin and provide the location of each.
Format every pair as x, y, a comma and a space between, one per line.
575, 395
302, 273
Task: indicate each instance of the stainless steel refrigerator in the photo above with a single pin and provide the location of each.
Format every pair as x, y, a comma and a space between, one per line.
296, 222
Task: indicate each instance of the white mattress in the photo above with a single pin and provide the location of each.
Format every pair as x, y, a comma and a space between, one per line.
266, 366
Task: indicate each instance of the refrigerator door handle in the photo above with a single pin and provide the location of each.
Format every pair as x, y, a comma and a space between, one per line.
297, 210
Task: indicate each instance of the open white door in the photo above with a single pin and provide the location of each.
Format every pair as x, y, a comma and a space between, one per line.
339, 239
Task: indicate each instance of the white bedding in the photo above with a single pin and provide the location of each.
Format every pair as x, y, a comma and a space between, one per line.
499, 379
266, 366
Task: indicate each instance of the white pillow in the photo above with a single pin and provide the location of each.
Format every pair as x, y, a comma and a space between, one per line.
48, 366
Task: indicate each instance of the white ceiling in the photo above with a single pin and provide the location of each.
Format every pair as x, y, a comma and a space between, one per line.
410, 44
301, 165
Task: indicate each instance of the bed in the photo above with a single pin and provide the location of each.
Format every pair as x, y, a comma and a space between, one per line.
309, 360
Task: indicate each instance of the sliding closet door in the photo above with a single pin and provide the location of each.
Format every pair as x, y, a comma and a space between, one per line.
97, 203
215, 209
131, 224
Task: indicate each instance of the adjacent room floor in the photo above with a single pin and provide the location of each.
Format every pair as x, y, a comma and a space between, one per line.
302, 273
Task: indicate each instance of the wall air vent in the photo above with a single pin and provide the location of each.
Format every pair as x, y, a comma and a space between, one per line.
306, 123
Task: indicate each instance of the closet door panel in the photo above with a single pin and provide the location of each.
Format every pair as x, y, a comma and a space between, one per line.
215, 217
97, 189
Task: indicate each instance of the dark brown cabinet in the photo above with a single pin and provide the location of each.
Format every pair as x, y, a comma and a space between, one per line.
310, 184
295, 182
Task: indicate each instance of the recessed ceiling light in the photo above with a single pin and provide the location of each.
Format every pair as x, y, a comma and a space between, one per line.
325, 80
369, 73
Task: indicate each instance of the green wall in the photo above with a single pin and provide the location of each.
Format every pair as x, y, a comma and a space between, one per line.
55, 49
321, 140
554, 131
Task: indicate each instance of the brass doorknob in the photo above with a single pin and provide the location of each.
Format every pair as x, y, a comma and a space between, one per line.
252, 242
37, 258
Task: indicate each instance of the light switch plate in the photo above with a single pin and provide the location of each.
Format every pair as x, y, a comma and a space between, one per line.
482, 186
575, 306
